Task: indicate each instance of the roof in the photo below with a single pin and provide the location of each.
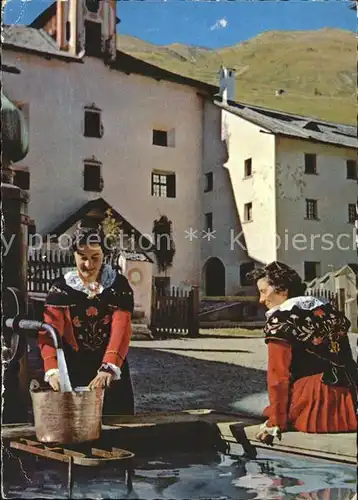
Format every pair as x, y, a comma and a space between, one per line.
291, 125
96, 209
30, 39
346, 269
25, 38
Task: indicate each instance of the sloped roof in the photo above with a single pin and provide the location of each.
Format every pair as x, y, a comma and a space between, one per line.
29, 39
33, 40
291, 125
96, 209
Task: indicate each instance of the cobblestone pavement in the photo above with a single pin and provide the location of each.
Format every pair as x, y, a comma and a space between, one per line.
198, 373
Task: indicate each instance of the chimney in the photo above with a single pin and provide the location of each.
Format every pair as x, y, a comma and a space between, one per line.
227, 84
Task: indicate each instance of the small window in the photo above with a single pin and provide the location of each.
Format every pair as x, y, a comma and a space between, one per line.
93, 180
310, 164
93, 126
248, 167
68, 31
160, 138
209, 182
311, 270
352, 213
244, 270
311, 210
209, 221
22, 179
352, 170
248, 212
93, 39
163, 184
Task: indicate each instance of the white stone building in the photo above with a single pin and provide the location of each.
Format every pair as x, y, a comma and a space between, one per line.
149, 142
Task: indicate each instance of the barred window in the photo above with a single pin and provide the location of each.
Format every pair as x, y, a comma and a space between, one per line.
311, 209
352, 214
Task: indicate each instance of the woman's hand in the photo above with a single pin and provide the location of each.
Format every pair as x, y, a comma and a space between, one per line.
267, 434
102, 380
54, 381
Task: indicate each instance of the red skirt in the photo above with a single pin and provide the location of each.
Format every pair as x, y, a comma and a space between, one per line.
319, 408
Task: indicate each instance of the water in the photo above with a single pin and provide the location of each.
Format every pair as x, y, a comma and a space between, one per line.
181, 476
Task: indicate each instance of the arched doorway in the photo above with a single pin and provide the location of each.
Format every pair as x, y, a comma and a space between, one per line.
214, 278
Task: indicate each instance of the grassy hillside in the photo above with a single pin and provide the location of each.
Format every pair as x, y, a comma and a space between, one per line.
317, 69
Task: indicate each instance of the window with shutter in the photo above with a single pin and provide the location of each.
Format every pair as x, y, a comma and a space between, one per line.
164, 184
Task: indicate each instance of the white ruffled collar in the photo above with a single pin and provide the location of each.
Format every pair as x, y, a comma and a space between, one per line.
108, 275
304, 302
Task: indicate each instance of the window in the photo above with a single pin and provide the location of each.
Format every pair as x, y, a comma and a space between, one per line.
311, 210
352, 169
93, 180
93, 39
248, 212
310, 164
22, 178
163, 184
93, 126
248, 167
244, 269
209, 182
209, 221
68, 31
164, 138
160, 138
93, 5
352, 214
311, 270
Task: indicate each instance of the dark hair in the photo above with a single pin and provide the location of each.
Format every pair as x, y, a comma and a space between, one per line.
88, 232
281, 277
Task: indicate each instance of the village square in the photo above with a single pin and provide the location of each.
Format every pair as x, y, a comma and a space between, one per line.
190, 189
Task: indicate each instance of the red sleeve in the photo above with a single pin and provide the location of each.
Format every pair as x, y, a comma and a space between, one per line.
60, 319
55, 317
121, 332
278, 381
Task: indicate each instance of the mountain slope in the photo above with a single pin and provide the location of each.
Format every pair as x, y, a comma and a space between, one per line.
317, 69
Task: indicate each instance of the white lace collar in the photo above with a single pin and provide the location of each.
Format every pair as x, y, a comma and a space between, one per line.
108, 275
304, 302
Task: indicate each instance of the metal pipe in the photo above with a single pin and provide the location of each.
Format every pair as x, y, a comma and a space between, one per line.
29, 324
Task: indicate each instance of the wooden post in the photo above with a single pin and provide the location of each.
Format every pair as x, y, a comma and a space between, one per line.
341, 299
194, 316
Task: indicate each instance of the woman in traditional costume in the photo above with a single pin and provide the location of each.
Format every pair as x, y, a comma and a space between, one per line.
91, 307
311, 371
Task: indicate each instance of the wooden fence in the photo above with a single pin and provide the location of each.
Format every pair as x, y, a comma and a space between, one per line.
175, 313
44, 267
332, 297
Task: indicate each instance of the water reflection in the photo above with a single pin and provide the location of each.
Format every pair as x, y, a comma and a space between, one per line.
196, 476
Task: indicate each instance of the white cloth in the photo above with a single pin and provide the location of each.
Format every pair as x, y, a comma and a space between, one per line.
304, 302
108, 275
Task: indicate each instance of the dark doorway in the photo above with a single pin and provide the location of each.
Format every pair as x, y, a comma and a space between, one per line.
93, 37
214, 278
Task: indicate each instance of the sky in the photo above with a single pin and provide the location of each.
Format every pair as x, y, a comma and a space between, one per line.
211, 24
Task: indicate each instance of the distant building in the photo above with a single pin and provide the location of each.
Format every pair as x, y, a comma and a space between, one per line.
234, 179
